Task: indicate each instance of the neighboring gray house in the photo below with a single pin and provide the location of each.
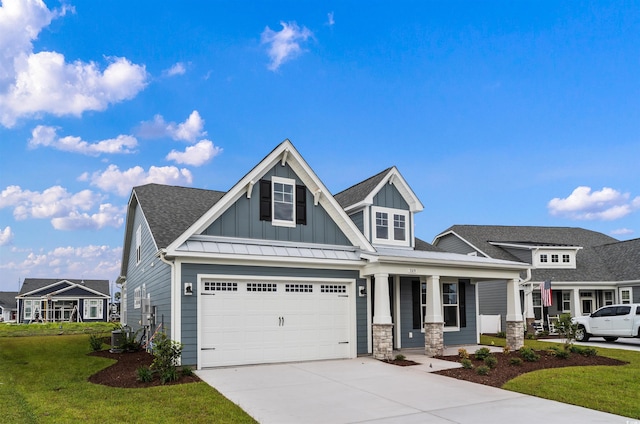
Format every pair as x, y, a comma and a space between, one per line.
8, 308
586, 269
278, 269
59, 300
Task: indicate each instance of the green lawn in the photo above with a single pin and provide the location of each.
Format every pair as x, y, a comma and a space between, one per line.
604, 388
43, 379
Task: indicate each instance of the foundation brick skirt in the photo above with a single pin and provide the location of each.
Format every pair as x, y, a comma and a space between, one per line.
433, 338
383, 341
515, 335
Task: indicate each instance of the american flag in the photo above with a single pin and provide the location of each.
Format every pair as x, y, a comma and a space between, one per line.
545, 292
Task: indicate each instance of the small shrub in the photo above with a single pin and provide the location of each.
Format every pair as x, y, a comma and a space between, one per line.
482, 353
515, 361
531, 336
169, 375
462, 353
584, 351
95, 342
186, 371
482, 370
400, 357
491, 361
559, 352
144, 374
529, 354
506, 350
166, 353
466, 363
501, 334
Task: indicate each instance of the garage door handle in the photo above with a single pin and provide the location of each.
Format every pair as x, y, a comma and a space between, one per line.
343, 342
280, 321
207, 348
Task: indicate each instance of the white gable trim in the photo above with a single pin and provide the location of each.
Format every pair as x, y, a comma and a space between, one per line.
393, 177
285, 152
30, 293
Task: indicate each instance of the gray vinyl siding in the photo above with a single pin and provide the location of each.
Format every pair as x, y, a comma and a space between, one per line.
453, 244
390, 197
465, 335
153, 273
492, 297
189, 303
522, 255
242, 219
358, 219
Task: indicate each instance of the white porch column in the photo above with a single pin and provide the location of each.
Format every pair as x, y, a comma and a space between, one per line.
382, 311
515, 329
433, 320
382, 327
528, 303
576, 309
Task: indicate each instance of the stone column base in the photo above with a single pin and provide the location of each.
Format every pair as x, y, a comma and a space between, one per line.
433, 338
383, 341
515, 335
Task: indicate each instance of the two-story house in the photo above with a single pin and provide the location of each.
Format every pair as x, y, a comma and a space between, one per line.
586, 269
278, 269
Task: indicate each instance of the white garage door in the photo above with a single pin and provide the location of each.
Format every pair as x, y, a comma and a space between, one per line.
254, 322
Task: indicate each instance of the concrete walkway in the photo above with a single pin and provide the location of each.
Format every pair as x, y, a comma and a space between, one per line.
364, 390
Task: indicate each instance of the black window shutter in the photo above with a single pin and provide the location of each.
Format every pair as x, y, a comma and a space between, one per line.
559, 300
462, 302
301, 205
265, 200
417, 304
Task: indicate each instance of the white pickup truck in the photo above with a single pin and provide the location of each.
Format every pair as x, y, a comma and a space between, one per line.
609, 322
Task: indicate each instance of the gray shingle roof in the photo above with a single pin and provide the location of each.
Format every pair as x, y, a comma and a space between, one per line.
171, 210
8, 299
591, 264
426, 247
360, 191
31, 284
622, 259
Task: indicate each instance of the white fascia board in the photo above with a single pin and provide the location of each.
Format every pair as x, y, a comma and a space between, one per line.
415, 205
503, 265
581, 285
276, 261
534, 246
72, 286
308, 178
129, 230
461, 238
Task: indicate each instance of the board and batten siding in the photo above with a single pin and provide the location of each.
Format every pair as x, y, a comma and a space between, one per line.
151, 272
390, 197
465, 335
492, 297
358, 219
190, 312
242, 219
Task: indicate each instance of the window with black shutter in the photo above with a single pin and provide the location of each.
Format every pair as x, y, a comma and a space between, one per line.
301, 205
265, 200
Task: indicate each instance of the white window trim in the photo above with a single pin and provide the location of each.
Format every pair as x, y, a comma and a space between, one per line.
626, 290
390, 226
87, 308
139, 244
282, 222
137, 298
451, 305
566, 299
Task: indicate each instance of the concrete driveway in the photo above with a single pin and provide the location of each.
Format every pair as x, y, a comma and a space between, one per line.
364, 390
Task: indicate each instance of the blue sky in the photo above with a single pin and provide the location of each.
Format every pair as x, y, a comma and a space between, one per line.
514, 113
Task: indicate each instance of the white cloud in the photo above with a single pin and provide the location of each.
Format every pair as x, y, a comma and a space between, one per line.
177, 69
330, 20
90, 262
284, 44
121, 182
583, 204
6, 236
65, 210
43, 82
46, 136
622, 232
195, 155
189, 130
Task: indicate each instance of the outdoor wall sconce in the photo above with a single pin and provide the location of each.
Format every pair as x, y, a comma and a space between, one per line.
188, 289
362, 291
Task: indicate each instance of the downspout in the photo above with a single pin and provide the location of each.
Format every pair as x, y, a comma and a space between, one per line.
174, 299
526, 281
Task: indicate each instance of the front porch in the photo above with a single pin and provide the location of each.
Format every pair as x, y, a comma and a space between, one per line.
431, 307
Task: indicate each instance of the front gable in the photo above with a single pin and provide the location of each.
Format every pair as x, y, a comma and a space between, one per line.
241, 206
252, 217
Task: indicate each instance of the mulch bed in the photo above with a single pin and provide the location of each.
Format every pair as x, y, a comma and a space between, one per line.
504, 371
123, 373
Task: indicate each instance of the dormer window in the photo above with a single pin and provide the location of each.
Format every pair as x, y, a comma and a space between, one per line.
543, 258
554, 258
390, 226
566, 259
